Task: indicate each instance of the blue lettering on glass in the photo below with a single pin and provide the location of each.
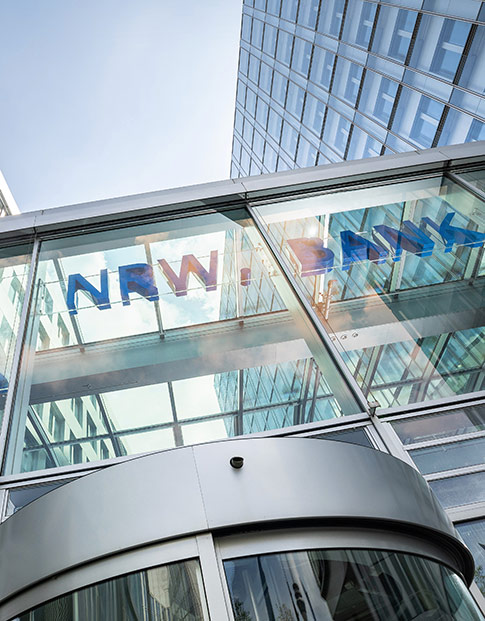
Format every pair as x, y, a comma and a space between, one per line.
312, 255
409, 238
357, 248
137, 278
79, 283
310, 252
191, 265
454, 234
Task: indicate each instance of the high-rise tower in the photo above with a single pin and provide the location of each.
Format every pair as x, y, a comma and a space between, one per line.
321, 81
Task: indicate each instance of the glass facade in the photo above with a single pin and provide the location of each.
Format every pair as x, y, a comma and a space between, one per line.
172, 592
162, 335
350, 312
345, 585
351, 79
379, 267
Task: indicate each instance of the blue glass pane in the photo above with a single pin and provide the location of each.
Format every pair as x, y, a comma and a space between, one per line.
307, 14
289, 139
278, 91
393, 32
257, 33
288, 10
269, 40
274, 124
417, 118
265, 78
262, 112
295, 99
253, 69
474, 69
243, 61
246, 28
307, 154
322, 67
446, 38
314, 113
284, 47
302, 52
330, 21
359, 22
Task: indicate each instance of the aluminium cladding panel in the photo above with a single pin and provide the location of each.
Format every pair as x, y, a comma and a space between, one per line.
190, 490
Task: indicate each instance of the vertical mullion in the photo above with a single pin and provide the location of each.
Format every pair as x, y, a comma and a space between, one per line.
17, 356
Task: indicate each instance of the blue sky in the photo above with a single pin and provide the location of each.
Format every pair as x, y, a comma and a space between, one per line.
102, 98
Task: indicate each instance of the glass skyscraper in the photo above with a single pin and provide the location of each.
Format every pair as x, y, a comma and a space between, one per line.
322, 81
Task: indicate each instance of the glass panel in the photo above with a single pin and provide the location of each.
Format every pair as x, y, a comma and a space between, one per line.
330, 20
474, 69
322, 67
359, 23
417, 118
475, 178
148, 337
14, 267
174, 592
346, 585
437, 426
378, 96
439, 45
449, 456
393, 32
473, 534
353, 436
393, 272
463, 490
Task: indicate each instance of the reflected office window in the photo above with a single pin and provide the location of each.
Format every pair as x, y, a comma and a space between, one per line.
386, 96
322, 67
330, 21
404, 22
388, 271
174, 592
165, 334
346, 585
302, 53
473, 534
417, 118
426, 122
308, 12
476, 131
14, 267
439, 45
284, 47
449, 50
313, 114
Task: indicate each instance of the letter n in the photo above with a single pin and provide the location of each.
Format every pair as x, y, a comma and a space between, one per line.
409, 238
78, 283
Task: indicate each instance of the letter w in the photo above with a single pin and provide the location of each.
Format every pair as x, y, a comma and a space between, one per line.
191, 264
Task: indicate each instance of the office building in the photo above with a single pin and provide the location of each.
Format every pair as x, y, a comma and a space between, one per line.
322, 81
217, 400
